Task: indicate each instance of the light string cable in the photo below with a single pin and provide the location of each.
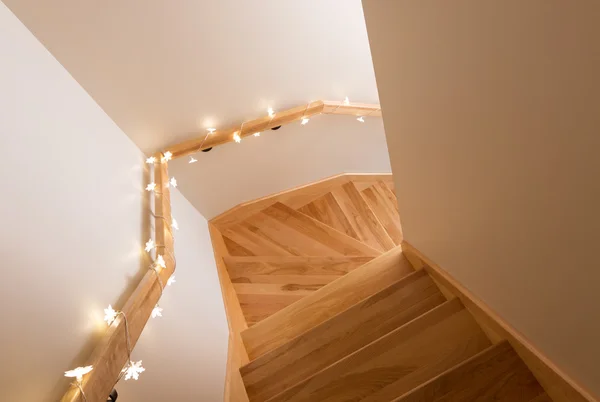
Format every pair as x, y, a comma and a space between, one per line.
128, 343
78, 385
305, 110
338, 106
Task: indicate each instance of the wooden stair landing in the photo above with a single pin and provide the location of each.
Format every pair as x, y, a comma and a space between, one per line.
333, 310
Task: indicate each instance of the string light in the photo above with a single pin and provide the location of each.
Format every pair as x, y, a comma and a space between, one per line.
174, 224
271, 112
110, 315
150, 245
211, 130
133, 370
361, 119
166, 157
78, 373
160, 262
151, 186
304, 121
156, 311
151, 160
193, 160
172, 182
236, 137
256, 134
346, 101
171, 280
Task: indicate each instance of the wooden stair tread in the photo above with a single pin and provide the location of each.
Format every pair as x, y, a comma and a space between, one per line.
402, 359
292, 265
361, 218
325, 303
495, 374
327, 210
384, 205
341, 335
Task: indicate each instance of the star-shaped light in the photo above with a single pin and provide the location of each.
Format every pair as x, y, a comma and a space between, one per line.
193, 160
257, 134
173, 182
160, 261
166, 156
109, 314
304, 121
171, 280
151, 186
79, 372
149, 245
150, 160
211, 130
157, 311
236, 137
361, 119
174, 224
133, 370
346, 101
271, 112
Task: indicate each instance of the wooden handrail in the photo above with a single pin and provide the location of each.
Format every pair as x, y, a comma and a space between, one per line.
260, 124
111, 354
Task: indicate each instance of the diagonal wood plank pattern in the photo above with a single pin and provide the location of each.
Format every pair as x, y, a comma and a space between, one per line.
335, 310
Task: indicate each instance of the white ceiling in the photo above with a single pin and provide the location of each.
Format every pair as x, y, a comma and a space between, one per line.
163, 70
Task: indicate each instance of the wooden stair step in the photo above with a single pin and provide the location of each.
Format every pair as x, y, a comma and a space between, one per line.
341, 335
495, 374
401, 360
326, 302
384, 205
274, 267
327, 210
362, 219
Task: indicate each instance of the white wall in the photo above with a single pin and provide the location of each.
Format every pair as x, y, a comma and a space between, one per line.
73, 224
492, 117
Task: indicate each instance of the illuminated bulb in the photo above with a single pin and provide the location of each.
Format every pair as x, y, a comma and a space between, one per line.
151, 160
361, 119
173, 182
193, 160
149, 245
109, 315
236, 137
271, 112
151, 186
166, 157
133, 370
174, 224
171, 280
211, 130
78, 373
304, 121
257, 134
157, 311
346, 101
160, 261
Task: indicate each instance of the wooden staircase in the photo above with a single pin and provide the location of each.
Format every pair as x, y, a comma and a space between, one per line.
334, 310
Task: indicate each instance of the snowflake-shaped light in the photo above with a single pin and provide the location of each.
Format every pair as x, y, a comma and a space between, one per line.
150, 160
167, 156
78, 373
211, 130
110, 314
271, 112
171, 280
256, 134
304, 121
361, 119
173, 182
151, 186
160, 261
346, 101
193, 160
236, 137
133, 370
157, 311
174, 224
150, 245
